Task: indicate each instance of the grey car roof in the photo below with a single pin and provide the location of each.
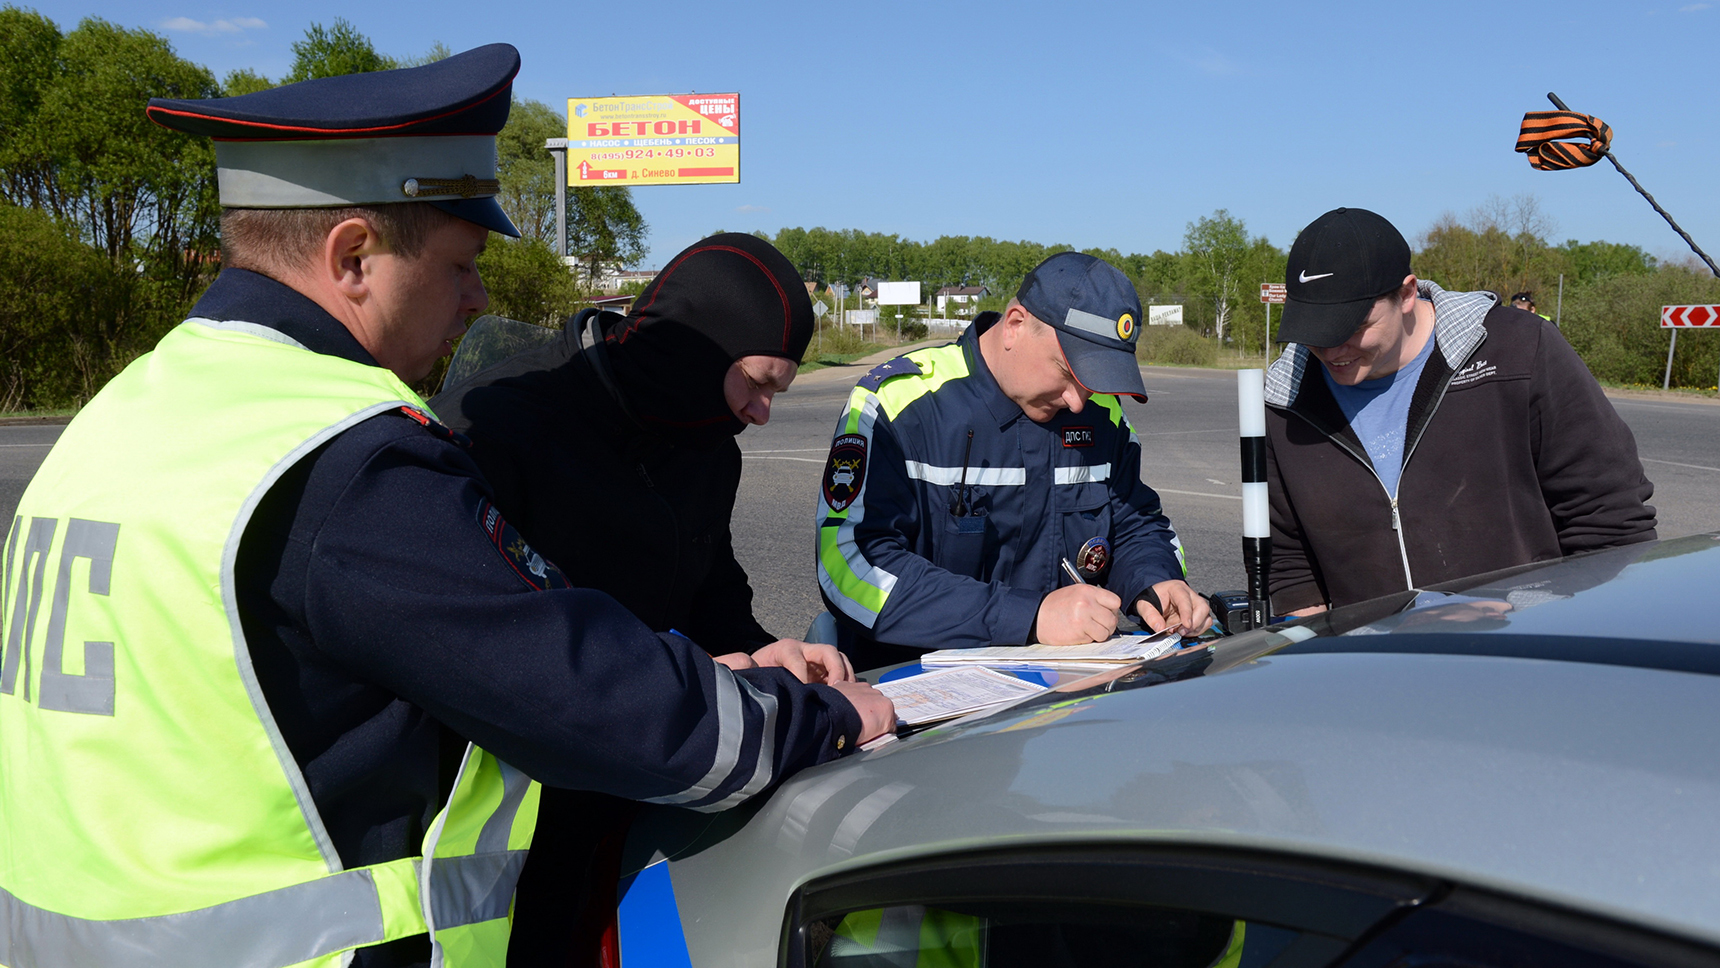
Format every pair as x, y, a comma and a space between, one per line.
1591, 784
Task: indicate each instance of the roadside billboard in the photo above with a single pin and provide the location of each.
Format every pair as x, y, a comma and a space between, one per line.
1164, 315
898, 294
654, 139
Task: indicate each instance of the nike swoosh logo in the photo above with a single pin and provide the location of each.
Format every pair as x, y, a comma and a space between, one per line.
1305, 277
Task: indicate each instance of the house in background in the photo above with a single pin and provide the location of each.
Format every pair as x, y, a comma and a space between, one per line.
963, 299
614, 280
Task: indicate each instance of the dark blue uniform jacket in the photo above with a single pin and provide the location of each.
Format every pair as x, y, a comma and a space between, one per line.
946, 510
387, 627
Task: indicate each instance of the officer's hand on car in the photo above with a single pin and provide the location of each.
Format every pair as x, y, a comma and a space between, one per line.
1180, 606
809, 661
1076, 614
877, 712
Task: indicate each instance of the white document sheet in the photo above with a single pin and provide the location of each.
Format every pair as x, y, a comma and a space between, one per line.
1121, 648
948, 693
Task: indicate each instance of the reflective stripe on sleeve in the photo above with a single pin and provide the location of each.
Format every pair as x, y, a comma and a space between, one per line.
729, 731
764, 770
853, 584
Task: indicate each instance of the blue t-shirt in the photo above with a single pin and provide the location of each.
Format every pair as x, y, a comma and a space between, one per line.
1379, 414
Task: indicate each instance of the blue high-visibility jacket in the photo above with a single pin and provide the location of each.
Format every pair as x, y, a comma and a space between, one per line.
945, 510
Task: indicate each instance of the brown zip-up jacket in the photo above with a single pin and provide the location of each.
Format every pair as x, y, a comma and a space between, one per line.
1511, 454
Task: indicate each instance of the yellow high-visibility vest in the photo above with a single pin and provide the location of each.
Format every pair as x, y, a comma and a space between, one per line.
149, 810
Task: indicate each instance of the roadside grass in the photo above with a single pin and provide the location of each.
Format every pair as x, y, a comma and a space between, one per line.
26, 416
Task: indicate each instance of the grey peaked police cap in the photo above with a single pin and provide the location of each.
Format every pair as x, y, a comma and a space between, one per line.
419, 134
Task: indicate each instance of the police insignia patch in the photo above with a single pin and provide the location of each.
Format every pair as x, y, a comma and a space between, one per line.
845, 471
1077, 436
1126, 326
1093, 557
534, 569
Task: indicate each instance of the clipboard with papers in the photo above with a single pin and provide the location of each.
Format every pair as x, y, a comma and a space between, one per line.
966, 683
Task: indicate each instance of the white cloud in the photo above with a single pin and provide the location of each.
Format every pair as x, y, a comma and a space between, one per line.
1692, 8
752, 208
214, 28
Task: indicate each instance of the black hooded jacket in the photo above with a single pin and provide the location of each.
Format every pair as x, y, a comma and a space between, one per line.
613, 449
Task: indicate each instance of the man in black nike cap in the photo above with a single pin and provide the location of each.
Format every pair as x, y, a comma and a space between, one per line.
1416, 435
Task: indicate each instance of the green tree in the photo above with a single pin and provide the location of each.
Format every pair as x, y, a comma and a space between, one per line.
527, 281
1614, 325
143, 195
438, 51
1263, 262
604, 230
58, 291
1590, 261
244, 81
1501, 246
1218, 246
333, 51
527, 170
29, 69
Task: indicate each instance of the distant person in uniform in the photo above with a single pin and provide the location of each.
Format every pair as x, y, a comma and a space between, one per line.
298, 679
1526, 302
1415, 435
963, 477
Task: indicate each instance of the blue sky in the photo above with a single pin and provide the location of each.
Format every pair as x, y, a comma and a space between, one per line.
1090, 123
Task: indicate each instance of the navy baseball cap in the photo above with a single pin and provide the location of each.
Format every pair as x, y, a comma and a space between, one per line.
1097, 316
425, 134
1340, 265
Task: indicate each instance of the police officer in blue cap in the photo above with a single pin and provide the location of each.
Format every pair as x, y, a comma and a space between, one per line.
298, 678
989, 492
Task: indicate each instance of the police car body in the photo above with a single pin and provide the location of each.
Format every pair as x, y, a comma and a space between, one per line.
1518, 769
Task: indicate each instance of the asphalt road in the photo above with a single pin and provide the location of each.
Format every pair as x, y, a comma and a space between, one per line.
1188, 439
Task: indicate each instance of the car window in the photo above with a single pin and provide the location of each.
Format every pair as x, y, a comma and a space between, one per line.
1041, 934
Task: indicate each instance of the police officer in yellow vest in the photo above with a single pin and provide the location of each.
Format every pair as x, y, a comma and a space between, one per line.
256, 589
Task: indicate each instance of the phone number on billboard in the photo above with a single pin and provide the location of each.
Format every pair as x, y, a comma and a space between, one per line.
654, 153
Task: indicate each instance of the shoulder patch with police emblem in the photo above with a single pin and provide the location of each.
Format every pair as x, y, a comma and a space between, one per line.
534, 569
845, 471
1126, 326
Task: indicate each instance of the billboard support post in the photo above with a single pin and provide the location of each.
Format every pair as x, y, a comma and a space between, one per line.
558, 148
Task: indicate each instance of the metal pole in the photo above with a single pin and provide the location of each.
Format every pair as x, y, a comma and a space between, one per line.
1644, 193
558, 148
1559, 313
1256, 523
1268, 347
1666, 384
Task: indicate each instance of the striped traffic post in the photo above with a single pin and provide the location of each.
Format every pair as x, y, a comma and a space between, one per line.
1256, 526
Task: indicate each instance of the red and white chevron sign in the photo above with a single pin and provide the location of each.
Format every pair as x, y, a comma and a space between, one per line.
1682, 316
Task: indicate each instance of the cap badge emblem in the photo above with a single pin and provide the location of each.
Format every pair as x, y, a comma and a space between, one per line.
1125, 326
1303, 276
466, 186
